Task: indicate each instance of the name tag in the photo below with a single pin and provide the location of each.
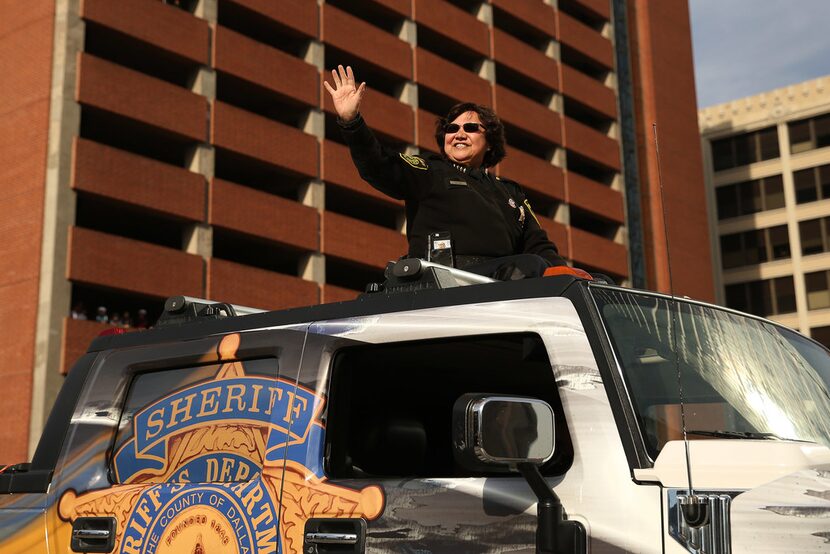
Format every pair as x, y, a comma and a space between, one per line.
458, 183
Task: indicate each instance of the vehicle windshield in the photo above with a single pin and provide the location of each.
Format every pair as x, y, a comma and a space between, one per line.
741, 377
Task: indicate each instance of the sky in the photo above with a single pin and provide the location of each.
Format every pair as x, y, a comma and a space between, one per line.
745, 47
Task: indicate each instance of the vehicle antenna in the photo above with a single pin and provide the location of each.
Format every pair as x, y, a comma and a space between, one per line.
695, 509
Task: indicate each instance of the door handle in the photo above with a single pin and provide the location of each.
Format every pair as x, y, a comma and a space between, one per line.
324, 535
93, 534
331, 538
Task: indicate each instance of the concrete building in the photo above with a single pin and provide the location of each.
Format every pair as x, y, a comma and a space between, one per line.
767, 164
151, 148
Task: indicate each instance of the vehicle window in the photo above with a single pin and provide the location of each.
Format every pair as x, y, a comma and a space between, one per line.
390, 410
207, 423
741, 377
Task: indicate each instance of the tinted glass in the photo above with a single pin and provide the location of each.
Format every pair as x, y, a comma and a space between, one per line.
764, 254
754, 251
784, 291
800, 136
805, 186
824, 180
371, 432
780, 242
750, 197
732, 254
722, 154
193, 415
736, 297
811, 239
773, 192
821, 125
817, 293
744, 149
760, 298
768, 139
821, 334
727, 198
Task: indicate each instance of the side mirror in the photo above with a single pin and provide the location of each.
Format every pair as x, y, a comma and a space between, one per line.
492, 431
516, 433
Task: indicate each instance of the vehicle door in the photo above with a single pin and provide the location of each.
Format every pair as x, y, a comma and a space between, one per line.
170, 446
381, 475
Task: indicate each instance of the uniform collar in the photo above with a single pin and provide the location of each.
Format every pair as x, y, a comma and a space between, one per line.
465, 169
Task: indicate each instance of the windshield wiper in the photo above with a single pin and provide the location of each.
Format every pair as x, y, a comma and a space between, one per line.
753, 435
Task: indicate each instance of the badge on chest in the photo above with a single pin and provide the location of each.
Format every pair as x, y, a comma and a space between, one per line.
521, 215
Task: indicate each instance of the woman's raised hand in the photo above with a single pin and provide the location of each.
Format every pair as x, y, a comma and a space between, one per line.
345, 95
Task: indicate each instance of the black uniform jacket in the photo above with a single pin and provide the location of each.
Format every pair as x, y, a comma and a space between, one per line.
486, 216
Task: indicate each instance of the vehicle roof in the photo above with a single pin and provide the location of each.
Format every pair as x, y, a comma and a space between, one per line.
372, 304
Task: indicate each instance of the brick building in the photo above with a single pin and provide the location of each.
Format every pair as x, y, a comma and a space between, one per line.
767, 166
153, 148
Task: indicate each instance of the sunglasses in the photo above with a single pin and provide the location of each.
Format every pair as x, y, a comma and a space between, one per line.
470, 127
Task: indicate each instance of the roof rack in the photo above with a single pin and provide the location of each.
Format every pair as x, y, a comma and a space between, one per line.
184, 309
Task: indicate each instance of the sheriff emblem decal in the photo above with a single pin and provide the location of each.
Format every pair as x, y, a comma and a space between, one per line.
207, 465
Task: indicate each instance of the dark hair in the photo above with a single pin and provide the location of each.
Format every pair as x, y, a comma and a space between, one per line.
493, 130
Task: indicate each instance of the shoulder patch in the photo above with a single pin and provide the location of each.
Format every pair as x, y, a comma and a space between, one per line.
415, 161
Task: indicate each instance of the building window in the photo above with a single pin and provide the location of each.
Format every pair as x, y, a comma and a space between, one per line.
812, 184
750, 197
755, 246
727, 201
818, 295
779, 242
731, 250
805, 186
745, 149
722, 154
783, 290
756, 252
821, 127
821, 334
773, 192
800, 136
768, 143
812, 233
808, 134
763, 298
736, 297
824, 180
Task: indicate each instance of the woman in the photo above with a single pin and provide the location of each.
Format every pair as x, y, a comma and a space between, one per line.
491, 225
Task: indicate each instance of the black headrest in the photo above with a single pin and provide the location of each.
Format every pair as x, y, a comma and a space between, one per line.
395, 446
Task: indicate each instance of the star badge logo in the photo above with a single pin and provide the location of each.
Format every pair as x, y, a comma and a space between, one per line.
174, 498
